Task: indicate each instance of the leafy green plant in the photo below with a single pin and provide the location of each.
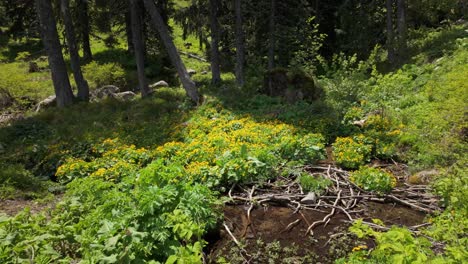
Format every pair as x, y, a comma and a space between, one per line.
99, 75
397, 245
373, 179
316, 184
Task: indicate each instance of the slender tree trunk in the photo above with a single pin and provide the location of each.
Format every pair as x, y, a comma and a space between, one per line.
215, 68
160, 26
54, 52
84, 21
240, 53
271, 47
136, 14
401, 26
83, 88
390, 35
128, 31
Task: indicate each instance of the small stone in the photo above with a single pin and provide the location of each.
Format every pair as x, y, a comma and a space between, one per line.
125, 96
159, 84
423, 177
191, 72
311, 198
106, 91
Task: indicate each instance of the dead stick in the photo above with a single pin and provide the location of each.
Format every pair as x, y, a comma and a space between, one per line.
291, 225
232, 236
410, 204
310, 229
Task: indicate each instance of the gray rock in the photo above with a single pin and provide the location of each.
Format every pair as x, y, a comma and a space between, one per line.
125, 96
46, 103
423, 177
106, 91
191, 72
311, 198
204, 72
159, 84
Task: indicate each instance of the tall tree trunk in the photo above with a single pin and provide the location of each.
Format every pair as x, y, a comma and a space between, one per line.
54, 52
271, 47
215, 68
390, 35
128, 31
135, 10
84, 21
83, 88
160, 26
401, 26
240, 53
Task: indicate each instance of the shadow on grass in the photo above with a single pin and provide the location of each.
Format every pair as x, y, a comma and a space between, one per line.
429, 44
310, 117
155, 65
42, 141
33, 47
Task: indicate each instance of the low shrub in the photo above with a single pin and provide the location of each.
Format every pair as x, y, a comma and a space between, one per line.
352, 152
16, 181
373, 179
99, 75
312, 183
113, 161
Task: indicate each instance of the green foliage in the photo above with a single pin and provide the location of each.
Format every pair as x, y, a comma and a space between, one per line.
306, 55
373, 179
220, 148
112, 161
397, 245
99, 75
352, 152
452, 186
117, 222
16, 182
263, 252
14, 77
312, 183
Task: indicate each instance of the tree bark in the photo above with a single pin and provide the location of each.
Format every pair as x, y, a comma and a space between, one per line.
136, 14
53, 49
240, 53
128, 31
401, 26
85, 29
215, 67
82, 85
271, 47
390, 35
160, 26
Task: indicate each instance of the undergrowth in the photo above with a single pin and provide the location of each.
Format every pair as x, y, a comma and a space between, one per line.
144, 177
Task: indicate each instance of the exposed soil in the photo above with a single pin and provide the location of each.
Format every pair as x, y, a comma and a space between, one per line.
277, 214
13, 207
270, 224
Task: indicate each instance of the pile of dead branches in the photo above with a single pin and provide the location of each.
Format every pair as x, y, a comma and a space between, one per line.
343, 196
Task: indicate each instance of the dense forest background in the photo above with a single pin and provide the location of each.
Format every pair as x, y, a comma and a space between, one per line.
214, 131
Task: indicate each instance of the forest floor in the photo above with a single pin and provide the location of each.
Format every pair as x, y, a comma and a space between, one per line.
255, 217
